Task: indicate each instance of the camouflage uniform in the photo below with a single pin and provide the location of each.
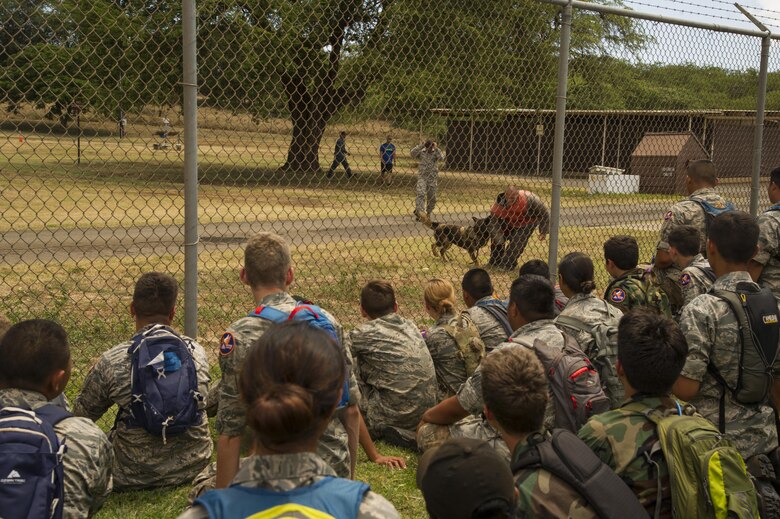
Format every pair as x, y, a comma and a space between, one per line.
712, 332
490, 330
689, 212
447, 360
543, 495
668, 280
621, 438
769, 251
592, 311
427, 178
142, 460
285, 472
395, 371
231, 415
87, 462
693, 281
637, 288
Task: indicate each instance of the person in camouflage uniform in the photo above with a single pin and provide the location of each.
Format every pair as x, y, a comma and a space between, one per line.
394, 368
631, 286
515, 391
143, 460
696, 276
713, 336
764, 268
26, 351
700, 183
651, 354
429, 155
292, 380
268, 272
477, 289
584, 315
531, 314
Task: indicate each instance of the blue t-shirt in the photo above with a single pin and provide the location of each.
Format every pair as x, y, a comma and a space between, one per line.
387, 150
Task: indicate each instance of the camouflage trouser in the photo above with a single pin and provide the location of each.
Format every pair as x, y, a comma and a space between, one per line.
431, 435
427, 184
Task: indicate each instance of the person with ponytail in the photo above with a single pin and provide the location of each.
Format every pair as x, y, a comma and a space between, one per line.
291, 382
590, 320
445, 338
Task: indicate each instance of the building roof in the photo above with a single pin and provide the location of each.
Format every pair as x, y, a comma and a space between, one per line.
618, 113
664, 144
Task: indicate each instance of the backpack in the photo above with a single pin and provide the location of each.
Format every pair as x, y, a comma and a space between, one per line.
652, 293
707, 474
31, 474
569, 458
497, 309
311, 314
470, 346
164, 383
756, 312
711, 211
575, 385
604, 356
329, 498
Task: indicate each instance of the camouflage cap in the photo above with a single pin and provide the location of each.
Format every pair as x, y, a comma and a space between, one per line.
461, 475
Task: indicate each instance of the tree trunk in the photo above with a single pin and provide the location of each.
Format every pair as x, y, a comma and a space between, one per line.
303, 153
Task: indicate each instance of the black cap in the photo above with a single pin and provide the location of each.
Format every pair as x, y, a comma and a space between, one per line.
462, 474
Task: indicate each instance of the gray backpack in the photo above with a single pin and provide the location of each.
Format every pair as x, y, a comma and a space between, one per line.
574, 383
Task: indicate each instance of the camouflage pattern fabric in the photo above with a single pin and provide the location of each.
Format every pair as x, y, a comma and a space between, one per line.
592, 311
693, 281
234, 346
545, 496
447, 361
285, 472
637, 288
475, 427
621, 438
689, 212
395, 372
427, 178
87, 462
712, 332
668, 280
769, 251
142, 460
490, 330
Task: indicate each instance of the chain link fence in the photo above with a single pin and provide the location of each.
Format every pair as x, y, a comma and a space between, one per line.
93, 142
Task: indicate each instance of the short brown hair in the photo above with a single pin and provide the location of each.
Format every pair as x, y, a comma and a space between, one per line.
702, 170
377, 298
155, 294
514, 389
267, 260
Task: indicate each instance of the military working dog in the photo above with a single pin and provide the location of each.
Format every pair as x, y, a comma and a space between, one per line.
471, 237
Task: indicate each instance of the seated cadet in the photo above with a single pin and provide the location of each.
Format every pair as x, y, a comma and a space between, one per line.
35, 365
144, 457
764, 268
291, 381
590, 320
486, 311
651, 354
466, 479
696, 275
631, 286
393, 366
453, 340
541, 268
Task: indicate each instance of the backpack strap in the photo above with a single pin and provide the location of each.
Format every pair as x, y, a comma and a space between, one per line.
53, 414
498, 311
707, 271
269, 313
566, 456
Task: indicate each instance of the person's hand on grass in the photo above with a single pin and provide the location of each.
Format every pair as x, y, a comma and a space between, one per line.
391, 462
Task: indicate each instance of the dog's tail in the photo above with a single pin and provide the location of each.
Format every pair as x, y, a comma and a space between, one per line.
427, 221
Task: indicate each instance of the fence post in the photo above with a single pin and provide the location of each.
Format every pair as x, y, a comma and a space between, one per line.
190, 88
758, 132
560, 126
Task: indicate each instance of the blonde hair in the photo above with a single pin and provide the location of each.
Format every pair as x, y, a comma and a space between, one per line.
267, 260
440, 295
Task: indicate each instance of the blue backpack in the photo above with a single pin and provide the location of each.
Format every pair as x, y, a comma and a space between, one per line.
164, 395
329, 498
31, 475
308, 313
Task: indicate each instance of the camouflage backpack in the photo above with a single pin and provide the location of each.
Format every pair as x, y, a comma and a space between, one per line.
466, 335
644, 288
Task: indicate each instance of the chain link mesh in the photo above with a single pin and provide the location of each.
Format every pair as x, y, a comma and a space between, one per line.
93, 154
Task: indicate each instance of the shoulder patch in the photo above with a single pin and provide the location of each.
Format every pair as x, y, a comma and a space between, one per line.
668, 216
227, 344
685, 279
618, 295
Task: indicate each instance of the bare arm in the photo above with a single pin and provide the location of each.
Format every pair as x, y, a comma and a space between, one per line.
446, 412
373, 454
686, 388
228, 450
350, 418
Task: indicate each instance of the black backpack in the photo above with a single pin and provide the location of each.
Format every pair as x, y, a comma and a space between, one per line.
570, 459
756, 312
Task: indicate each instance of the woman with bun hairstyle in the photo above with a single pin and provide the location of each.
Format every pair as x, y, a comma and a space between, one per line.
291, 382
590, 320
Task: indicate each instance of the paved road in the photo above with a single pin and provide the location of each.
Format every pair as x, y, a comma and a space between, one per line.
75, 244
